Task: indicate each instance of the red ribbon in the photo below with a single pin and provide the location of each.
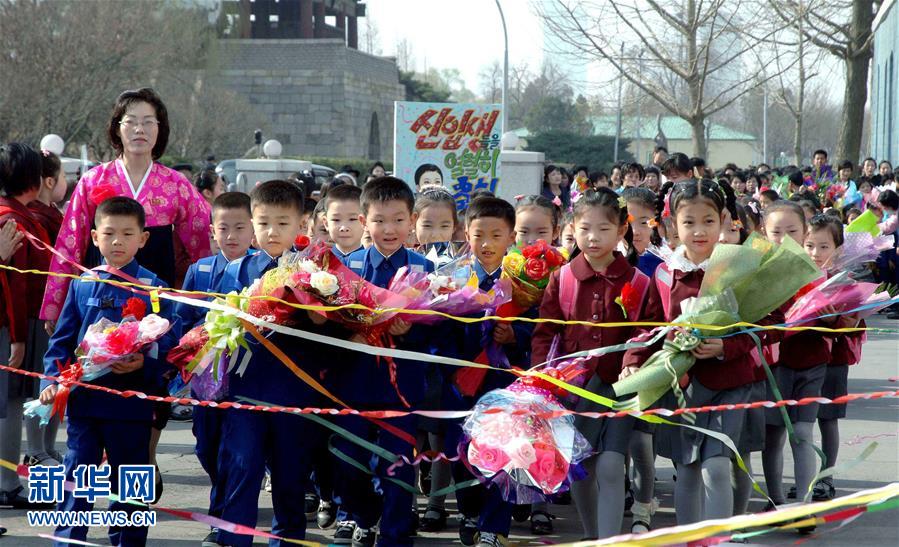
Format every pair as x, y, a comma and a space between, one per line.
69, 374
469, 380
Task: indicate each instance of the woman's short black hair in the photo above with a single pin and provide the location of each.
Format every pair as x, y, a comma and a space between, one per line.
205, 180
888, 198
425, 168
131, 97
20, 169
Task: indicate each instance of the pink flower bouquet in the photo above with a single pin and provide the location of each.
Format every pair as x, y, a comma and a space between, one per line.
839, 294
529, 455
452, 289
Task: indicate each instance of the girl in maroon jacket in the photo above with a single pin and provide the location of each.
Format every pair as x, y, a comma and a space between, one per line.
586, 290
22, 337
799, 372
724, 368
824, 237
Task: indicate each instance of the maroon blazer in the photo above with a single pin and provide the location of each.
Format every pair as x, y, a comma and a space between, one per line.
594, 301
21, 294
49, 217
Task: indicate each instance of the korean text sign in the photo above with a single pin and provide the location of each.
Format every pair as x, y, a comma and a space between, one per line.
460, 140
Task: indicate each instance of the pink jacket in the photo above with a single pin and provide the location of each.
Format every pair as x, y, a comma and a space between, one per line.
168, 198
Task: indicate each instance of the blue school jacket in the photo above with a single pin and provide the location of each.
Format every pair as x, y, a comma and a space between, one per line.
86, 303
266, 378
205, 275
367, 381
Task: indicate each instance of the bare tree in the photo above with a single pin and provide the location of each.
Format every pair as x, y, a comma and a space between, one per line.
370, 39
790, 89
698, 46
843, 29
404, 57
491, 87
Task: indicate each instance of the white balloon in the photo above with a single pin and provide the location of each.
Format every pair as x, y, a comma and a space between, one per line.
271, 148
53, 143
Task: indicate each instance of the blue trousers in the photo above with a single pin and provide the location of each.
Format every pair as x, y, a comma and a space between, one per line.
125, 443
250, 441
484, 501
207, 430
366, 500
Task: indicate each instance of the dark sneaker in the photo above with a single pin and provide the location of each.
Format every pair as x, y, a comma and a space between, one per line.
343, 535
791, 494
311, 506
434, 520
364, 537
326, 516
43, 458
489, 539
15, 500
468, 531
211, 539
521, 513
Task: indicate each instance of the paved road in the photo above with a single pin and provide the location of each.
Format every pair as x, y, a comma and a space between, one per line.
187, 486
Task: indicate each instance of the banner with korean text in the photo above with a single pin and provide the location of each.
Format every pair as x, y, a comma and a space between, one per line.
456, 145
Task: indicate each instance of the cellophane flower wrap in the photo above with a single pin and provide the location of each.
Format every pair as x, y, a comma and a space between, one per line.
527, 268
517, 444
104, 343
839, 294
451, 289
741, 283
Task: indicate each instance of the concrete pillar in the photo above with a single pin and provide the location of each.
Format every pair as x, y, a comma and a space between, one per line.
306, 19
352, 35
319, 9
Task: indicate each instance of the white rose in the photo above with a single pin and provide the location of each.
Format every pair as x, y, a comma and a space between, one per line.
324, 282
440, 282
309, 266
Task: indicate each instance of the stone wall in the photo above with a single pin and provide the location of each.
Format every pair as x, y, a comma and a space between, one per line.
319, 94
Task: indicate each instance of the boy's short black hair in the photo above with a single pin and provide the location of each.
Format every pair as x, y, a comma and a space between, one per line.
888, 198
845, 164
232, 200
820, 151
121, 206
490, 207
770, 194
384, 189
344, 192
278, 192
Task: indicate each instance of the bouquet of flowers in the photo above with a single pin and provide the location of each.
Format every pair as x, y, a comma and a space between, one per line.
857, 248
104, 343
442, 253
839, 294
451, 289
519, 448
528, 270
742, 283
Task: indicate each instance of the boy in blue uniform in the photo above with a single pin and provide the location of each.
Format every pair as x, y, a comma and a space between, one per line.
232, 229
490, 230
342, 218
387, 205
100, 421
253, 440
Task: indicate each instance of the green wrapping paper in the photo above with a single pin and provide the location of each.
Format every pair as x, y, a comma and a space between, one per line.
742, 283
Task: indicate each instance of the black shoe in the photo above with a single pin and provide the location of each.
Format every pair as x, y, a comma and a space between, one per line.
521, 513
893, 315
434, 520
792, 493
564, 498
640, 527
14, 499
343, 535
211, 539
468, 531
542, 523
311, 506
326, 516
415, 524
364, 537
182, 413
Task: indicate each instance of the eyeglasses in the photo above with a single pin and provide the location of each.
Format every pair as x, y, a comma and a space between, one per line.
146, 124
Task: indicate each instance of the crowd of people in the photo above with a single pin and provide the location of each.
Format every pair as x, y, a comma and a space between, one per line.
134, 220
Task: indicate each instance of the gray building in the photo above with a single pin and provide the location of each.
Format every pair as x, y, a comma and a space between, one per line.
297, 62
884, 74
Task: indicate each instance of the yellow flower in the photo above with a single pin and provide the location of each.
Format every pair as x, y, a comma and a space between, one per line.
514, 262
565, 253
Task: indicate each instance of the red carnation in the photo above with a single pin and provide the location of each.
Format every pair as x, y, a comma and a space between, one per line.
301, 242
554, 258
134, 307
536, 268
630, 298
121, 341
101, 193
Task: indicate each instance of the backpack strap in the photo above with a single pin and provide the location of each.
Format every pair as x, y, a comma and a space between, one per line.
567, 291
664, 280
203, 277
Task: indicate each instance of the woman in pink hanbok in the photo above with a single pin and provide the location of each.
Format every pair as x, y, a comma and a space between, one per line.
177, 215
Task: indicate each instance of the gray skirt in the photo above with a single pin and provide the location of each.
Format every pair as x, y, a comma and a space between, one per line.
796, 384
18, 386
604, 434
836, 384
686, 446
752, 438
